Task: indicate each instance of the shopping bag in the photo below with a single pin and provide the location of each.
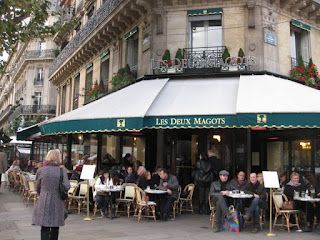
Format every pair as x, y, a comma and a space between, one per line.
232, 225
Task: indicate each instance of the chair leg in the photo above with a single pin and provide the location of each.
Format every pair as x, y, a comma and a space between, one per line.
288, 223
181, 204
191, 207
79, 206
174, 211
154, 213
297, 221
128, 209
139, 215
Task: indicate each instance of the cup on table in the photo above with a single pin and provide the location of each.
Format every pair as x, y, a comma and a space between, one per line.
303, 194
241, 192
148, 187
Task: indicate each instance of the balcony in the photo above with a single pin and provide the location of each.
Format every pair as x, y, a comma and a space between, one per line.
33, 55
98, 32
295, 62
38, 81
33, 109
203, 59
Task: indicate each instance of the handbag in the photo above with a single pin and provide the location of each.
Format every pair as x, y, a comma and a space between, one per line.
236, 222
288, 205
63, 192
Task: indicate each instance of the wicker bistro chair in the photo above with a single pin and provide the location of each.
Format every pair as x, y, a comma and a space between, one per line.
80, 198
278, 200
148, 206
95, 203
212, 212
127, 199
32, 193
175, 205
14, 183
188, 199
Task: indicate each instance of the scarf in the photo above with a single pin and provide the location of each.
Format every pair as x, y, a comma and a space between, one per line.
223, 185
293, 184
50, 164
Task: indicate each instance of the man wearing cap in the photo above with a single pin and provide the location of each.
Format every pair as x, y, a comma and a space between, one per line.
218, 192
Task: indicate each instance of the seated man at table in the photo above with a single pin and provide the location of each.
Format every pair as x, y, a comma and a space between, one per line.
170, 184
240, 181
218, 191
257, 202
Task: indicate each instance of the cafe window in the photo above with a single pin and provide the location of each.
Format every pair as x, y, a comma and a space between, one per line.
76, 92
301, 156
132, 53
299, 45
104, 71
84, 149
135, 146
205, 31
88, 80
110, 152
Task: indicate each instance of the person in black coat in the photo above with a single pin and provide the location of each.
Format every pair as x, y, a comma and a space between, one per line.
141, 180
216, 165
203, 181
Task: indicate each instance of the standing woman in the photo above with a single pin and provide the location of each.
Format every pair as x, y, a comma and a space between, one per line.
49, 212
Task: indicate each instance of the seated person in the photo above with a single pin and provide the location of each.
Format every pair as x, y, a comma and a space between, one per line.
218, 191
155, 179
76, 174
283, 179
170, 184
141, 180
313, 209
103, 198
130, 176
240, 181
260, 178
257, 202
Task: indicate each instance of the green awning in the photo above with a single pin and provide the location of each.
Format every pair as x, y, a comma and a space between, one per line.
26, 133
301, 25
129, 34
209, 11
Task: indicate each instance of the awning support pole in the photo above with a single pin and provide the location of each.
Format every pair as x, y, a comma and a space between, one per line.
69, 146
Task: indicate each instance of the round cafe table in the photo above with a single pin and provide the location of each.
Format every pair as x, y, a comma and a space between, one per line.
238, 196
158, 194
306, 200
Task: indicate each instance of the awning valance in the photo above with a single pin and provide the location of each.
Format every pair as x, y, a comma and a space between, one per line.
26, 133
231, 102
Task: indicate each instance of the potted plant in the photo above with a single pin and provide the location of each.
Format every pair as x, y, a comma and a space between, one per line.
241, 61
179, 55
166, 58
122, 78
226, 60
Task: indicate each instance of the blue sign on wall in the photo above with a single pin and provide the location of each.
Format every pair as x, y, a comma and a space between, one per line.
270, 38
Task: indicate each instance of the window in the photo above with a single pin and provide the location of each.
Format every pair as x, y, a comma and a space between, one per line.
76, 92
39, 78
37, 99
132, 54
88, 82
63, 99
90, 11
299, 44
104, 71
205, 31
41, 48
77, 27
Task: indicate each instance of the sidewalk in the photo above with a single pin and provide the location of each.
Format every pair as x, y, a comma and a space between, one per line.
15, 223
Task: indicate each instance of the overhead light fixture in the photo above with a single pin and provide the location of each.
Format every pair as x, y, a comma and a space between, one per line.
217, 137
272, 138
80, 137
305, 145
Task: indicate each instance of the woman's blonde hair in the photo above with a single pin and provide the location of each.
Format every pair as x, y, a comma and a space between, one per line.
54, 156
294, 174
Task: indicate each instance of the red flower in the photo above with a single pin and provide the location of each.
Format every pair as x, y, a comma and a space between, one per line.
130, 76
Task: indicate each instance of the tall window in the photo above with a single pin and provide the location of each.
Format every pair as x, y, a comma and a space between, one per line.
39, 78
76, 92
88, 82
132, 53
90, 11
41, 48
299, 44
104, 71
205, 31
37, 99
63, 99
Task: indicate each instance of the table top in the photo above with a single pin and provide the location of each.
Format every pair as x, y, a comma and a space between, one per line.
155, 191
307, 199
239, 195
114, 189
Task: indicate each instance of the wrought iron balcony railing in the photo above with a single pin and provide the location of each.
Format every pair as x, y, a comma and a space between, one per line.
295, 62
98, 17
34, 54
38, 81
204, 58
33, 109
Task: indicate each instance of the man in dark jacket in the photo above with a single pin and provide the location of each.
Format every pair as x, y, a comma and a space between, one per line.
170, 184
216, 165
203, 181
218, 191
257, 203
